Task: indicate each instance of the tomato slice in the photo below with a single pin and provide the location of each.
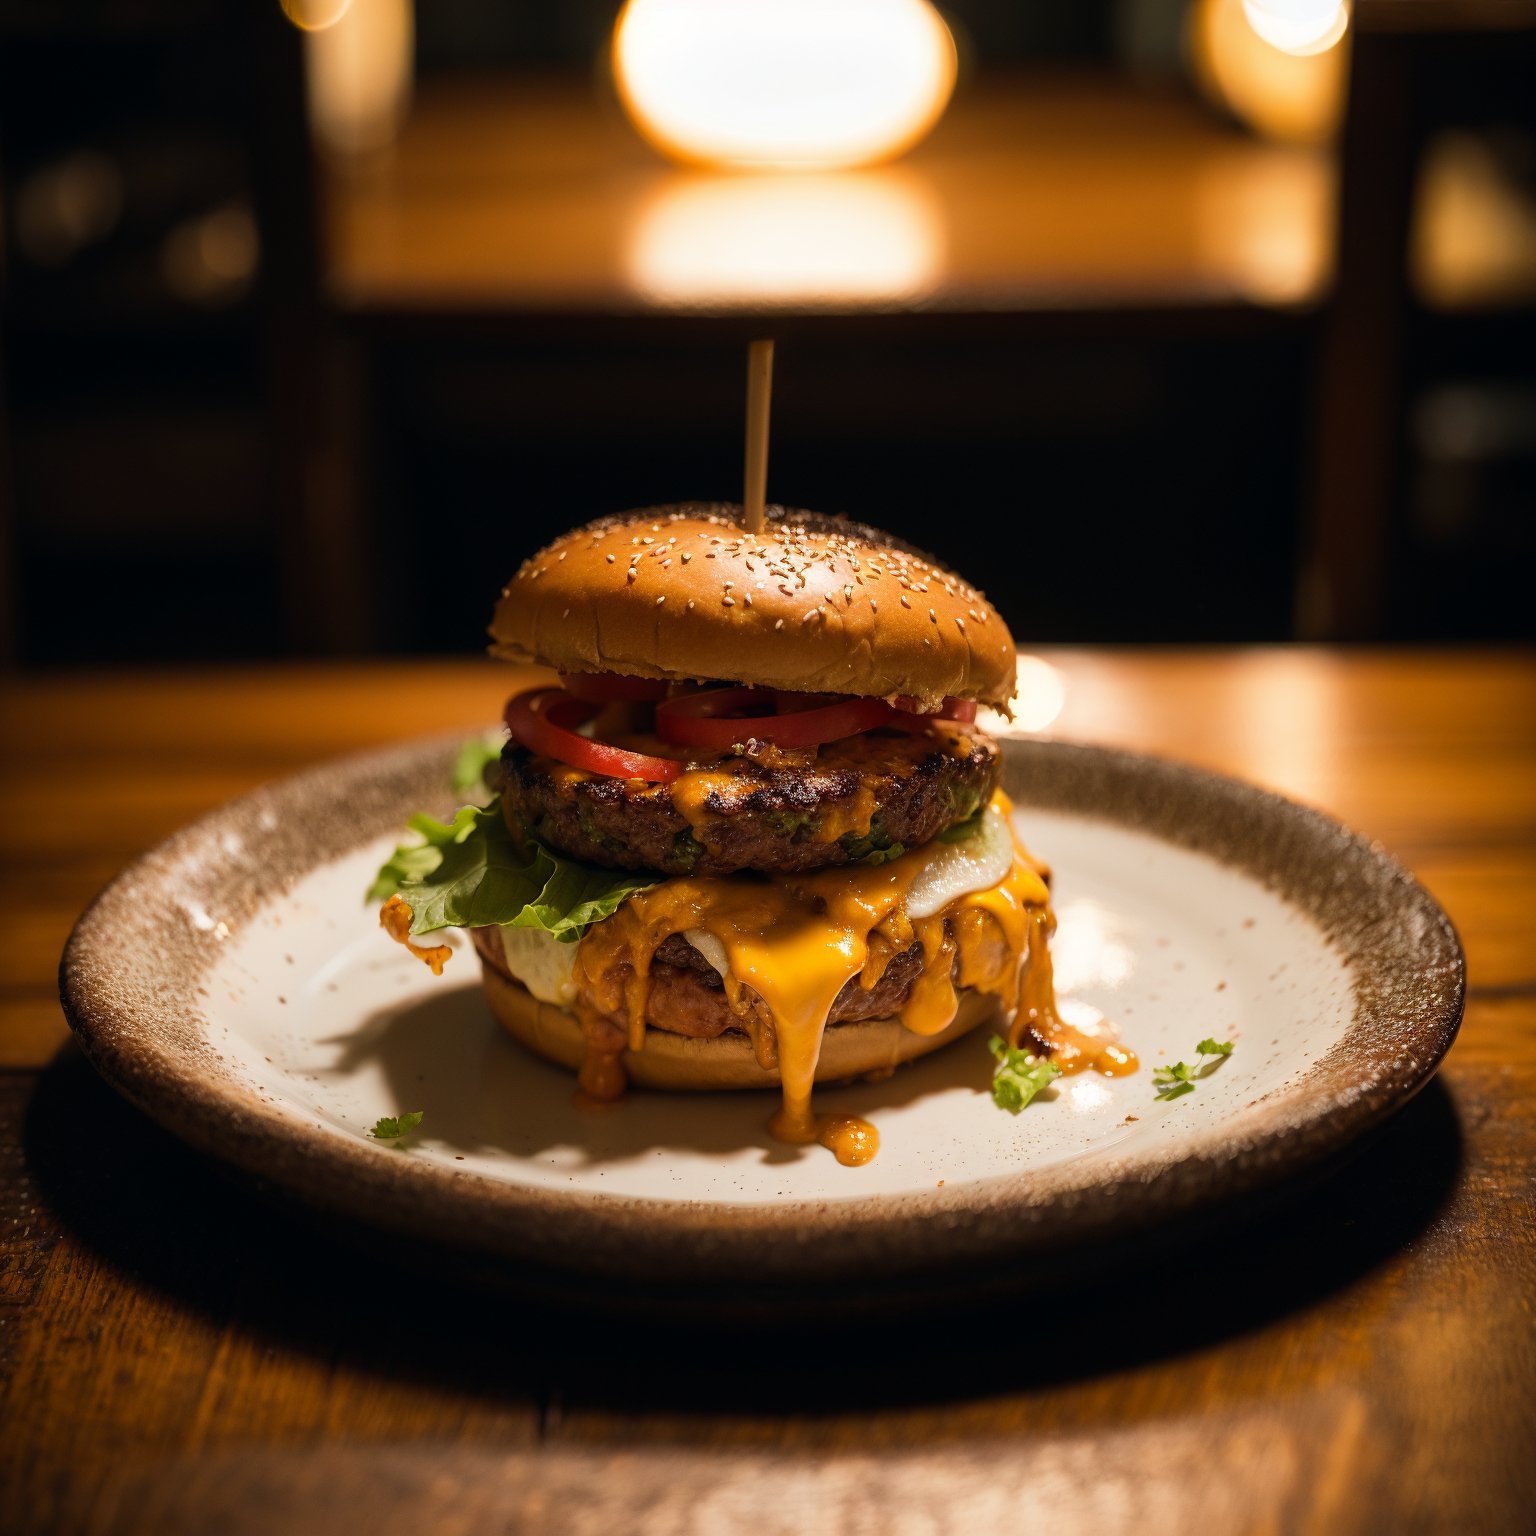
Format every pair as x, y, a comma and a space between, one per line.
543, 720
612, 687
715, 719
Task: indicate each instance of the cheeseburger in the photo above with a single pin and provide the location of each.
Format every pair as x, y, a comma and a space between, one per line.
755, 837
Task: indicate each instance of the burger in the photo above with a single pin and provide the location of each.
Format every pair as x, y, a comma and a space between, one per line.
755, 836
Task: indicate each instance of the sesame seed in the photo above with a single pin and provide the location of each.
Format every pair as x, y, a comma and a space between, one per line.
748, 599
666, 565
933, 618
566, 614
874, 607
630, 574
610, 558
689, 607
848, 592
727, 602
687, 556
778, 623
660, 600
960, 625
906, 602
562, 554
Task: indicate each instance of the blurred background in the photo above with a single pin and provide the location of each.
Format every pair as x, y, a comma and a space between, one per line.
1165, 320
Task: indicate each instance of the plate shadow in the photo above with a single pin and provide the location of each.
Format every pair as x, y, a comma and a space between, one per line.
162, 1217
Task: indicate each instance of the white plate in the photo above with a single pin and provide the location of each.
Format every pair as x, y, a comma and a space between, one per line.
281, 1024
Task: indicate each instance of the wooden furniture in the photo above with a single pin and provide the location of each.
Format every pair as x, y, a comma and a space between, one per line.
179, 1355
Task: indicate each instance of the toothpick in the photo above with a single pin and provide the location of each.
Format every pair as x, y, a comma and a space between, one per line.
759, 391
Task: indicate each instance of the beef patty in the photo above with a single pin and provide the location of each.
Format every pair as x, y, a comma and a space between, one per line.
761, 809
687, 996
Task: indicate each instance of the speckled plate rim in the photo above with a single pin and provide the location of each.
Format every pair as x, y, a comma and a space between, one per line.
131, 996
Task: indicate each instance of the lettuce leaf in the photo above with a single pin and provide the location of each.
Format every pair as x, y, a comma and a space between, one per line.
475, 756
415, 861
473, 873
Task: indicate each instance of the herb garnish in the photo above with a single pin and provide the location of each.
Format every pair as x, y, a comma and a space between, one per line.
1179, 1079
1020, 1075
393, 1127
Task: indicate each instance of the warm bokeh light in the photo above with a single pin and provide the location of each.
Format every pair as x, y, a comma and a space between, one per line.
359, 71
787, 84
708, 239
212, 259
315, 15
1264, 220
1298, 27
1294, 94
1038, 697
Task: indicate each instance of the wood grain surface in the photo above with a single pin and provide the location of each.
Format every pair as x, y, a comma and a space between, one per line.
1036, 193
180, 1354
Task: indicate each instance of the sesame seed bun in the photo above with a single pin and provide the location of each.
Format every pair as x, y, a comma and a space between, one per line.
812, 604
680, 1063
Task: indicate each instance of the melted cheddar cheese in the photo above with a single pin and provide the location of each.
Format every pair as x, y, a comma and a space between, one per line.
792, 942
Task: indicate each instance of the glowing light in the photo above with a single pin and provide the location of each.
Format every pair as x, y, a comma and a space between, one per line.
1299, 27
788, 84
212, 259
315, 15
358, 70
1038, 698
1294, 94
1264, 220
67, 206
732, 239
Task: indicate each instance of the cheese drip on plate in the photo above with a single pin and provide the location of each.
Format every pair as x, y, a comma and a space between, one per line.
785, 947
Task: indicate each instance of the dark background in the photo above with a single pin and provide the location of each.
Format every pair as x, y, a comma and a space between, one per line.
213, 461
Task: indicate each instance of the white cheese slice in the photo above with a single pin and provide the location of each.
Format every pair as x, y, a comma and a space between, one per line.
542, 963
710, 947
954, 870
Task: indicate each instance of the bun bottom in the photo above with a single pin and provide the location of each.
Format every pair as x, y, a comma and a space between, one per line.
680, 1062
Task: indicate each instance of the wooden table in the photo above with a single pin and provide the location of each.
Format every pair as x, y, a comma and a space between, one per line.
180, 1356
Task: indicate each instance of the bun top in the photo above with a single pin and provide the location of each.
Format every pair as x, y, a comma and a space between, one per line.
812, 604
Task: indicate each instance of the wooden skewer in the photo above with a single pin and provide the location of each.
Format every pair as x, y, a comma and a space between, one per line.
759, 392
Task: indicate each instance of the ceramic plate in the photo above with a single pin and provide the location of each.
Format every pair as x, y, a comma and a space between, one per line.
234, 985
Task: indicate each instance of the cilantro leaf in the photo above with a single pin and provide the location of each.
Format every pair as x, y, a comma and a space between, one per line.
1019, 1075
475, 756
473, 873
393, 1127
1177, 1080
